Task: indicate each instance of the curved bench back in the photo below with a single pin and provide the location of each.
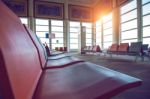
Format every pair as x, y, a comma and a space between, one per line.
38, 46
135, 47
113, 48
123, 47
20, 68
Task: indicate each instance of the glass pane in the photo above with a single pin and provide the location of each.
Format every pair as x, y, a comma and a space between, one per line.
131, 5
42, 28
129, 41
75, 30
73, 35
41, 34
88, 30
146, 31
129, 34
43, 40
41, 22
98, 29
146, 41
98, 40
57, 40
107, 31
98, 34
88, 41
107, 38
88, 44
146, 20
74, 24
74, 41
145, 1
57, 23
98, 23
107, 18
108, 25
56, 45
129, 25
106, 45
59, 29
88, 35
58, 35
73, 46
146, 9
129, 16
87, 25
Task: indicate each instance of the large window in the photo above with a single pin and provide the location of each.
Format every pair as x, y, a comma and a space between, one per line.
88, 33
57, 29
128, 22
74, 35
146, 21
42, 28
98, 32
107, 31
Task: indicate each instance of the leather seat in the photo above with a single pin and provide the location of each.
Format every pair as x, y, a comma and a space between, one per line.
83, 81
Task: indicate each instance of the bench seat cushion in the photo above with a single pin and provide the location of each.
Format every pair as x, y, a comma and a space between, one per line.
62, 62
83, 81
54, 53
58, 56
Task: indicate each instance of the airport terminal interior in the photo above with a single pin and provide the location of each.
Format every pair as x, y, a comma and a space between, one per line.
75, 49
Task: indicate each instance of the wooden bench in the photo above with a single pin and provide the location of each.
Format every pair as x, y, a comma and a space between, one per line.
22, 76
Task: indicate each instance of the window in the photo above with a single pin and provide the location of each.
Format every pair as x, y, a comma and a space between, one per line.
146, 22
98, 32
42, 28
128, 22
107, 31
57, 29
74, 33
88, 33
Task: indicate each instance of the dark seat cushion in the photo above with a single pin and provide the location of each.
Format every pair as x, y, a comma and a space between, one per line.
83, 81
135, 47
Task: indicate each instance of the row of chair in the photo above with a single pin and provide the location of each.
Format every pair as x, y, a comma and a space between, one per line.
91, 49
61, 49
27, 72
136, 49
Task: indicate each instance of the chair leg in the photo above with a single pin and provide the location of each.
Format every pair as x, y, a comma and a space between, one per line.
142, 58
136, 58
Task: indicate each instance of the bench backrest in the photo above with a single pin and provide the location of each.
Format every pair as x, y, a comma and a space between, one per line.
113, 48
96, 48
38, 46
145, 47
123, 47
135, 47
20, 68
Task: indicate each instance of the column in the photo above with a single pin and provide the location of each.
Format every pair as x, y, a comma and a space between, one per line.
66, 25
116, 22
31, 15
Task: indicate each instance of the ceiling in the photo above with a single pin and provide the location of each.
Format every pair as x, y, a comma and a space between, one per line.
89, 3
